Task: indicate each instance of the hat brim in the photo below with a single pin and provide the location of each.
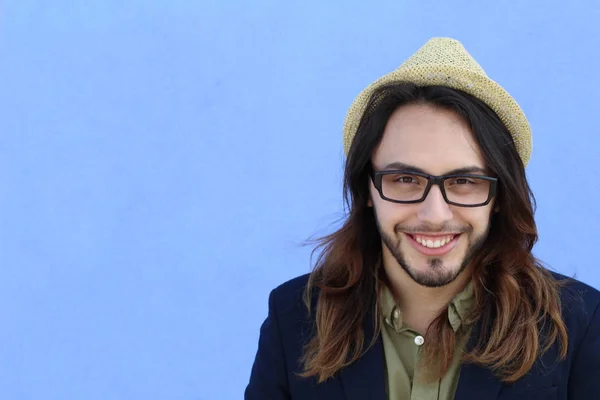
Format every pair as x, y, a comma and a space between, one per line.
476, 84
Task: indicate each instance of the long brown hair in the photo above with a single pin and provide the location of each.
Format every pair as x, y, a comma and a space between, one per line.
517, 303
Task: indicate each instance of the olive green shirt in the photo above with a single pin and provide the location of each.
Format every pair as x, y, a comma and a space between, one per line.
402, 347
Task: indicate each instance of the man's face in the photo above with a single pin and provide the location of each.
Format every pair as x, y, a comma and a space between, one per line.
436, 141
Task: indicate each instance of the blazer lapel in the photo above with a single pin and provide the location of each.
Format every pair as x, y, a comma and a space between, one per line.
365, 378
476, 382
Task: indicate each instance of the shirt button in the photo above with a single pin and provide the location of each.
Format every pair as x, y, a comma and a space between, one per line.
396, 313
419, 340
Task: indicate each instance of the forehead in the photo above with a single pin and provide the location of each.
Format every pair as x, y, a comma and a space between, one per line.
434, 139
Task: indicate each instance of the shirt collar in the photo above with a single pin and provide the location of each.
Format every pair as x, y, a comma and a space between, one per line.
458, 308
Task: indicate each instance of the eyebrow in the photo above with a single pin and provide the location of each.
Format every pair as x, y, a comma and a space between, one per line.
472, 169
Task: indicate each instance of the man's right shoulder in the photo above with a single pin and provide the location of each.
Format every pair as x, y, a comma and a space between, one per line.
288, 297
291, 288
294, 284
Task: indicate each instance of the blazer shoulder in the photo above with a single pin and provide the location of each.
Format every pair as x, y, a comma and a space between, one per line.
288, 297
576, 291
579, 301
292, 285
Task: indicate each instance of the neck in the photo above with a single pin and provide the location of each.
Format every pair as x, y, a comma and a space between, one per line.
420, 305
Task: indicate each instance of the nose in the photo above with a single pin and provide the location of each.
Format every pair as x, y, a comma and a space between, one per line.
434, 210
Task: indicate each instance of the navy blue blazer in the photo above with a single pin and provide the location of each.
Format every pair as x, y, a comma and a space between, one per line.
287, 327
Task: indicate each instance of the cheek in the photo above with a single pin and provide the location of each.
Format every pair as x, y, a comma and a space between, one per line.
478, 218
391, 214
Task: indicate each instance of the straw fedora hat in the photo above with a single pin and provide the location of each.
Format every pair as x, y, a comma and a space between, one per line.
445, 62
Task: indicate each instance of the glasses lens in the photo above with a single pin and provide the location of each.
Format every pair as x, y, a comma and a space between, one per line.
403, 187
463, 190
467, 190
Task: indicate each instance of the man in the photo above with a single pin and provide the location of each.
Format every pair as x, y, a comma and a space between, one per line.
429, 290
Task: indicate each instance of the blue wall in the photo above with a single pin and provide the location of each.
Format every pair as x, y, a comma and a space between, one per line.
161, 163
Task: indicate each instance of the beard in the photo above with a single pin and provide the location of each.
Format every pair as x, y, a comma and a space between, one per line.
437, 274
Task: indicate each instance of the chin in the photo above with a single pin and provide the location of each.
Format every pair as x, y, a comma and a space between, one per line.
434, 279
433, 271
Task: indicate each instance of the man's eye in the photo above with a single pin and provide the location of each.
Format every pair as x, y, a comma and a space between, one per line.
405, 179
462, 181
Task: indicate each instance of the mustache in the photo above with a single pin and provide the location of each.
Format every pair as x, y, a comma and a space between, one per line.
424, 228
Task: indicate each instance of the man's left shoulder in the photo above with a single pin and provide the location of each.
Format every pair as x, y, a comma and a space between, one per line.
580, 301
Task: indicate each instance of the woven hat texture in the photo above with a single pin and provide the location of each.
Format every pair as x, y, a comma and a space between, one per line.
445, 62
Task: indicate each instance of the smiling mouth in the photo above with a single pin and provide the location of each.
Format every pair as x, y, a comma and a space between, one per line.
434, 242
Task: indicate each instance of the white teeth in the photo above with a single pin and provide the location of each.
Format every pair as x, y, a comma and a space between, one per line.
434, 244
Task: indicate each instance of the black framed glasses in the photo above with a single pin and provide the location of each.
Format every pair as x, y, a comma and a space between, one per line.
407, 187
